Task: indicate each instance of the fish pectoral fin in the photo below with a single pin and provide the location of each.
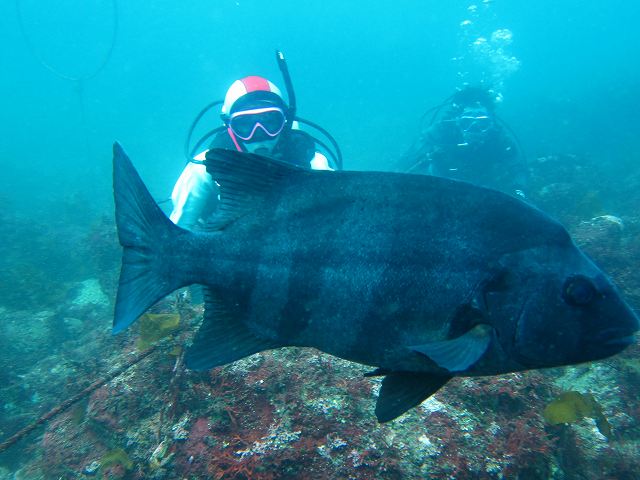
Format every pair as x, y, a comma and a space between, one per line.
402, 391
460, 353
222, 338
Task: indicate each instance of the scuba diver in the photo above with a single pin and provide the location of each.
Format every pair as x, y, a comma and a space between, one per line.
470, 143
256, 119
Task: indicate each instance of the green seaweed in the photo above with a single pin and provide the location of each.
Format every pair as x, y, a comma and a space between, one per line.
114, 457
571, 407
156, 326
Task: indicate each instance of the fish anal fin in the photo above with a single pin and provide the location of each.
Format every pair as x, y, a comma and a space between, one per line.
223, 337
401, 391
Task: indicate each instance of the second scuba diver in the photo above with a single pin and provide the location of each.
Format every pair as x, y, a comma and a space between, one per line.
469, 143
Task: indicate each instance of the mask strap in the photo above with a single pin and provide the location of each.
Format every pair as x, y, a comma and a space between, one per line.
234, 139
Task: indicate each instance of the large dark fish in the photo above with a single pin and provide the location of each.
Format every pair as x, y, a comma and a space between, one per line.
423, 278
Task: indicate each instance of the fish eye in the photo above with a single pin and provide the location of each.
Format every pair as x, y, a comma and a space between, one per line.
578, 291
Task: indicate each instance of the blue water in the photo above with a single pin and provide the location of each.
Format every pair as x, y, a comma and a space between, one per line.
366, 71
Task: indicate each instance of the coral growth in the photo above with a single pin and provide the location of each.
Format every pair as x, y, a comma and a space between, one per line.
295, 413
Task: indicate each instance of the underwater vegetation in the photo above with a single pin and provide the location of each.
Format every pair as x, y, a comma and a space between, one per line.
116, 458
156, 326
571, 407
563, 185
36, 270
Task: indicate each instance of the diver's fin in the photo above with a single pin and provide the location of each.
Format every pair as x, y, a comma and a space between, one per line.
222, 338
460, 353
144, 277
245, 180
402, 391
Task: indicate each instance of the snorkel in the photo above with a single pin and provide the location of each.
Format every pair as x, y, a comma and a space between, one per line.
291, 94
291, 112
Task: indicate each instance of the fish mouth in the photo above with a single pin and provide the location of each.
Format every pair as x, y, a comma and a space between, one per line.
617, 337
613, 340
623, 342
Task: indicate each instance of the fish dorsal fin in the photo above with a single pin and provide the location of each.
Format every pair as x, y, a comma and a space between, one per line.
402, 391
245, 180
460, 353
223, 337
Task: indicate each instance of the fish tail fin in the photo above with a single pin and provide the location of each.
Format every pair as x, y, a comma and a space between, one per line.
149, 270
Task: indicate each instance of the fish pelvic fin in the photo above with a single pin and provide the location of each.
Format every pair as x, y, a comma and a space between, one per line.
401, 391
147, 237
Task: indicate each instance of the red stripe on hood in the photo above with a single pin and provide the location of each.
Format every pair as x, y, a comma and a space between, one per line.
255, 83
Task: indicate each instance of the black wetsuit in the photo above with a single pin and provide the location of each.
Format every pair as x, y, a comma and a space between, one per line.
494, 162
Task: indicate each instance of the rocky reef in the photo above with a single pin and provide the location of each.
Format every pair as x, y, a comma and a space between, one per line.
297, 413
